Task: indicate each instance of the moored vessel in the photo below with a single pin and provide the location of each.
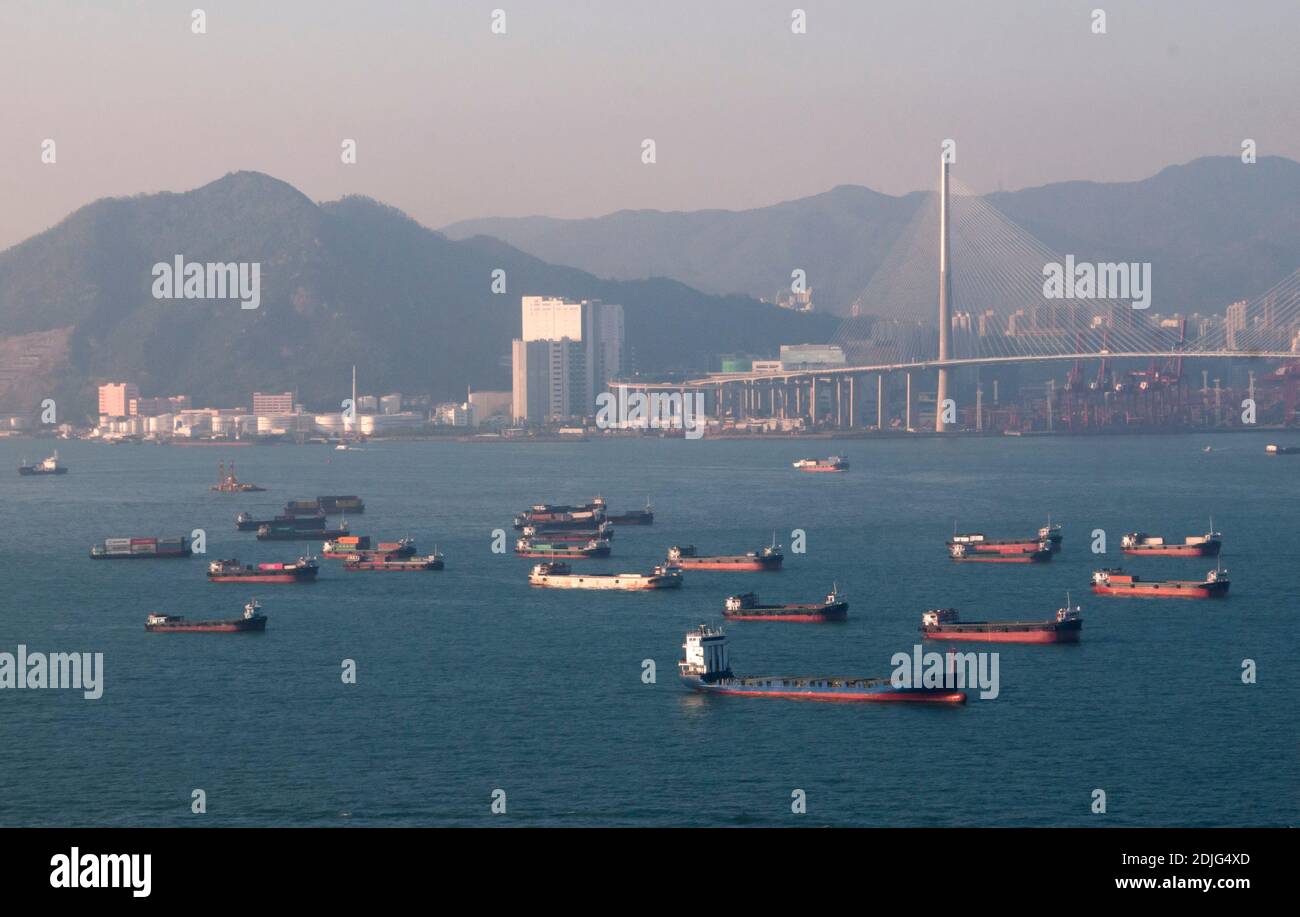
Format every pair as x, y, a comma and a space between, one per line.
228, 483
633, 517
746, 607
138, 548
252, 620
977, 543
542, 532
766, 558
1114, 581
247, 522
830, 464
1034, 553
302, 570
707, 669
538, 547
946, 624
286, 530
341, 505
1140, 543
48, 465
562, 516
558, 575
393, 563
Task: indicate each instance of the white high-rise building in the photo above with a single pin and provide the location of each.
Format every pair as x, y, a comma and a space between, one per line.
566, 355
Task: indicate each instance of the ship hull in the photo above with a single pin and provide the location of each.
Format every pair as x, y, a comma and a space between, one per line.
158, 555
880, 694
731, 564
608, 583
636, 518
1210, 549
270, 577
1003, 547
596, 552
40, 472
241, 625
1034, 557
1169, 590
798, 614
302, 535
1010, 632
824, 469
396, 566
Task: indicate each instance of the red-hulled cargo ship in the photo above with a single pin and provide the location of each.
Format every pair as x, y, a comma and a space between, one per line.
946, 624
392, 563
746, 607
1034, 553
823, 466
1140, 543
1117, 582
303, 570
253, 620
767, 558
707, 669
976, 543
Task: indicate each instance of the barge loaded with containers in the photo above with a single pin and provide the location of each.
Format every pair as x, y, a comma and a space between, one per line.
302, 570
360, 545
707, 669
393, 563
325, 506
746, 607
1117, 582
141, 548
247, 522
252, 621
1140, 543
558, 575
946, 624
766, 558
286, 530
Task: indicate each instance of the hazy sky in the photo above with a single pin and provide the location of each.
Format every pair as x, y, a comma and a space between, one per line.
452, 121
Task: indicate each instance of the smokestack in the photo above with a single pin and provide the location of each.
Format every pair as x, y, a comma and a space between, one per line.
945, 299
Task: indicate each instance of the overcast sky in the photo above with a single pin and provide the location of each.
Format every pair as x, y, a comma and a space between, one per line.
453, 122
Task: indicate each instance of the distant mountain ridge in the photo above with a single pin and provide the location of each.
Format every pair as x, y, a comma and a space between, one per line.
1215, 230
344, 282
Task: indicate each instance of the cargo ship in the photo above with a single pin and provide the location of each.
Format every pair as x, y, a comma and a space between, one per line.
393, 562
746, 607
1115, 581
766, 558
976, 543
531, 547
561, 516
45, 466
1051, 533
946, 624
707, 669
302, 570
558, 575
227, 483
633, 517
252, 620
288, 530
1140, 543
141, 548
831, 464
965, 553
247, 522
603, 533
336, 505
360, 546
1271, 449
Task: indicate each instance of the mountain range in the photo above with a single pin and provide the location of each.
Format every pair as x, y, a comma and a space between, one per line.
347, 282
1215, 230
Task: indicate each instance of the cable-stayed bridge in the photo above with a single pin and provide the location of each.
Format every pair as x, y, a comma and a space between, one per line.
1004, 299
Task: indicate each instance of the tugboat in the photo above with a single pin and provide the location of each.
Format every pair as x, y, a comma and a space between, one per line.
558, 575
1140, 543
767, 558
945, 624
229, 484
745, 607
47, 466
1029, 553
831, 464
393, 563
707, 669
529, 547
303, 570
253, 620
1115, 581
